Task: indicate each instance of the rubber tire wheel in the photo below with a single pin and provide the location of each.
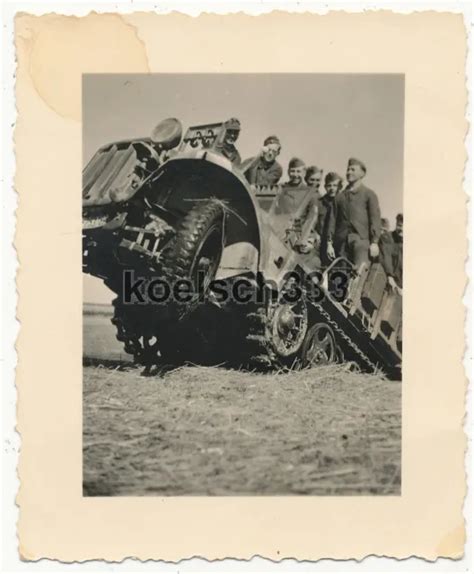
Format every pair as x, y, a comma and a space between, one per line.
197, 226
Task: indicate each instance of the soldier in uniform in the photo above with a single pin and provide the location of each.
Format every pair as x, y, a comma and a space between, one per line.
354, 230
313, 177
326, 205
386, 246
227, 146
397, 254
264, 168
301, 204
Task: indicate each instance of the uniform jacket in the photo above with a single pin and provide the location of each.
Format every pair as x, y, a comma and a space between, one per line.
301, 204
230, 152
356, 212
386, 245
397, 258
260, 173
325, 209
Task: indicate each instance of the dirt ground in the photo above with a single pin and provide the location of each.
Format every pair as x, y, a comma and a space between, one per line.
212, 431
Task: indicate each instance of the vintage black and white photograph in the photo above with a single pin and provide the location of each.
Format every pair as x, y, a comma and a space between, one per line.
242, 253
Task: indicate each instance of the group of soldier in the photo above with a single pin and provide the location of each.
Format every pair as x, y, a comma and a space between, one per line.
341, 221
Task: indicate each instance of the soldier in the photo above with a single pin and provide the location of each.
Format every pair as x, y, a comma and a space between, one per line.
296, 172
302, 204
386, 246
355, 225
333, 185
227, 147
313, 177
397, 254
264, 169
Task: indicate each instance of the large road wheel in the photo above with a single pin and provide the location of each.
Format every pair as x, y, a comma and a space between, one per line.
195, 251
288, 326
276, 331
319, 346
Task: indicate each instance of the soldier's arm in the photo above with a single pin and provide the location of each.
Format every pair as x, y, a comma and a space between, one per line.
321, 218
248, 163
310, 219
374, 217
275, 175
246, 167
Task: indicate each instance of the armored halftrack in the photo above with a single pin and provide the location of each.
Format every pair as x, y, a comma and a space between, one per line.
173, 210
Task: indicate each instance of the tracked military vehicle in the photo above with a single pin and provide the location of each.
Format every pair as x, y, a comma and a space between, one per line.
173, 211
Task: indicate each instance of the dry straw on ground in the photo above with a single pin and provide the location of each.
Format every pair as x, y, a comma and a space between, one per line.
213, 431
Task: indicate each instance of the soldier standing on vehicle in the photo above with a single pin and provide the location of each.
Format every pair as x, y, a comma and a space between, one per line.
397, 254
301, 204
355, 226
386, 245
313, 177
227, 146
333, 185
264, 168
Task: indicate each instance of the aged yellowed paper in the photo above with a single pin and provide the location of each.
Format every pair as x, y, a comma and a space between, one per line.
56, 519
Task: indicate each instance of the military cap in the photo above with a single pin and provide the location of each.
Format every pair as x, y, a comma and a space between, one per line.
384, 223
332, 176
232, 124
313, 169
399, 218
355, 161
272, 140
296, 162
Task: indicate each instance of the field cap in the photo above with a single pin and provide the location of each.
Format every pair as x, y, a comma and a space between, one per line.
399, 218
232, 124
332, 176
296, 162
360, 163
313, 169
272, 140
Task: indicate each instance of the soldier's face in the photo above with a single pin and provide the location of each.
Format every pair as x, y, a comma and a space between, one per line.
399, 228
231, 136
296, 174
354, 173
270, 152
314, 180
332, 188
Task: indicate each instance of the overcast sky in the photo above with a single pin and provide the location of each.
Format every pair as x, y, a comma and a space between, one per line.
322, 118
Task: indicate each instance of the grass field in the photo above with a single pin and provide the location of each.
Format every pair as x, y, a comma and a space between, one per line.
211, 431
